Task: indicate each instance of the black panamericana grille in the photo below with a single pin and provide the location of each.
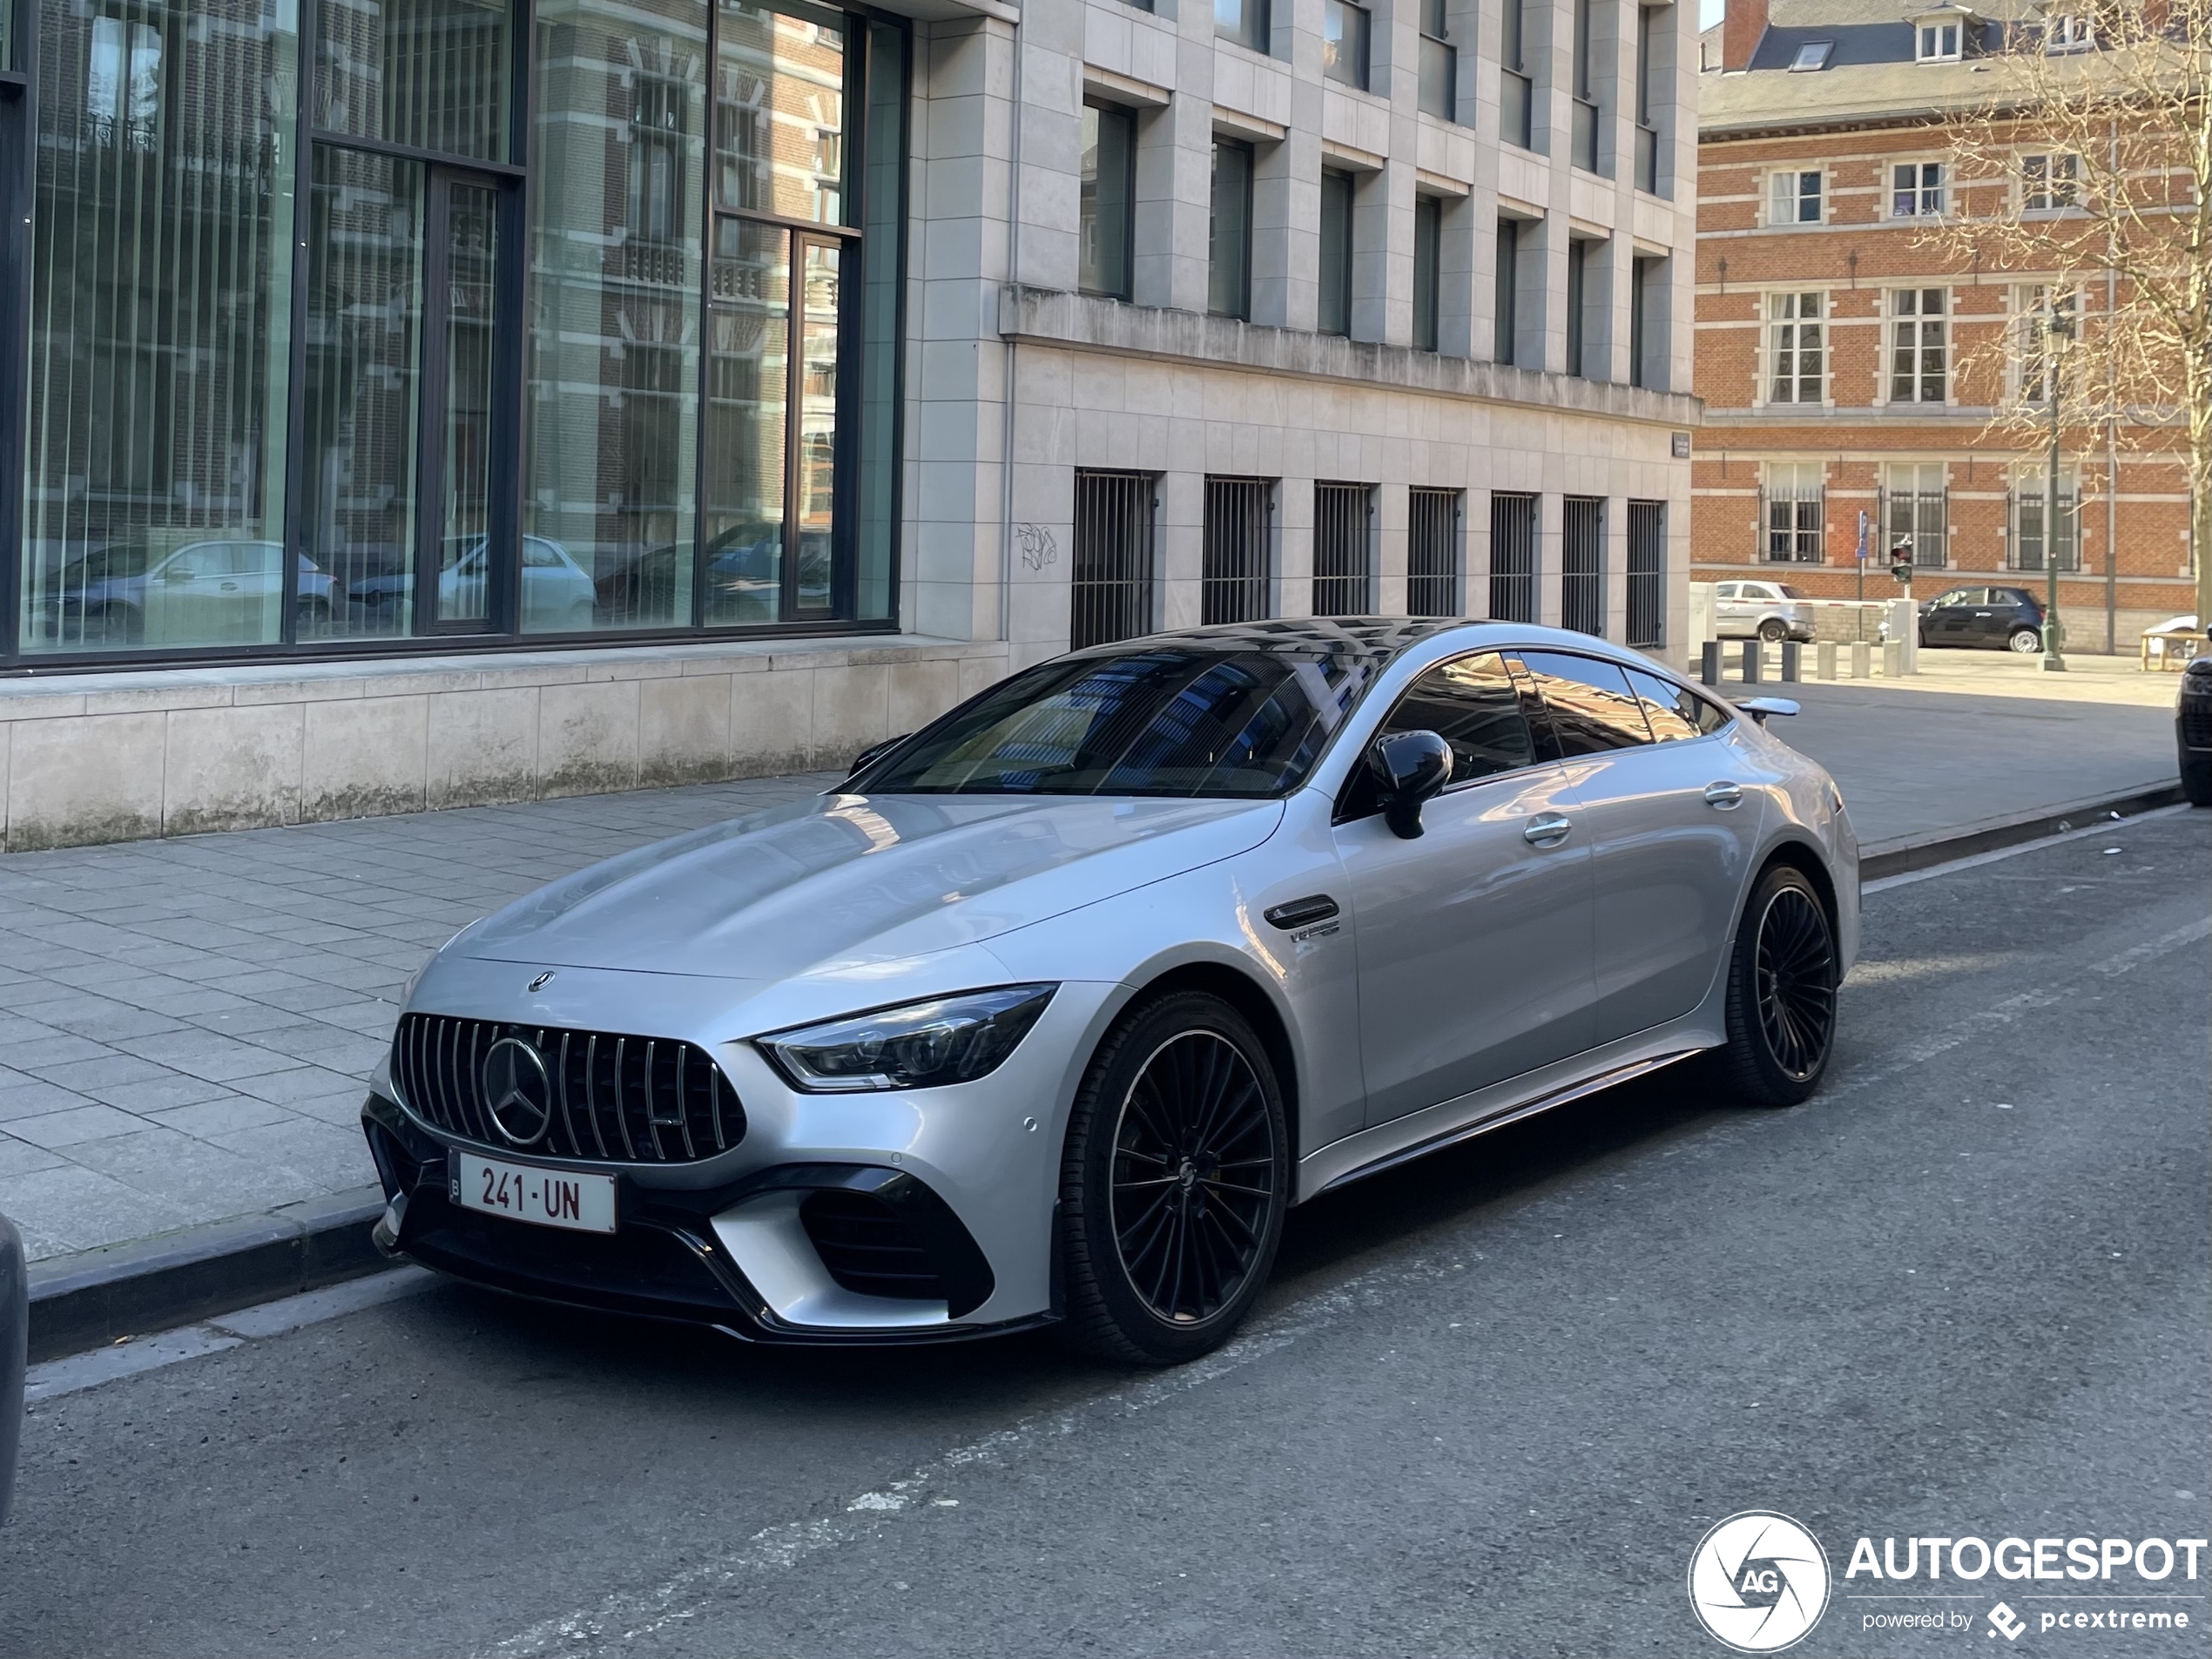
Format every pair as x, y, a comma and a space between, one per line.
868, 1247
2196, 723
628, 1099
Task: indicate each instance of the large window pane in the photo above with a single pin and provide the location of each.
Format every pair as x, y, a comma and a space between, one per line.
779, 115
875, 510
1333, 313
1230, 290
471, 241
814, 509
364, 392
1106, 197
160, 286
749, 377
612, 403
430, 73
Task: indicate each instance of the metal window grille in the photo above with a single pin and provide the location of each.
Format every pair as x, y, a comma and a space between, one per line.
1112, 584
1794, 512
1342, 586
1582, 565
2030, 505
1920, 516
1433, 553
1234, 584
1647, 573
1512, 556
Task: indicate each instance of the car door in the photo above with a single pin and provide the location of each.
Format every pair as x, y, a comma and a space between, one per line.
1473, 938
1661, 794
1728, 610
1950, 619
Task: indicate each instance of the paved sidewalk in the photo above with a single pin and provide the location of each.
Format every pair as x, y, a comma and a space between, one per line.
186, 1025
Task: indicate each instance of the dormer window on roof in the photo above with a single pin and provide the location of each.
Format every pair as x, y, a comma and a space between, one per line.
1939, 33
2066, 29
1812, 56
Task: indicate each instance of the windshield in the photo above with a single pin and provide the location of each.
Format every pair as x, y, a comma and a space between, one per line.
1170, 719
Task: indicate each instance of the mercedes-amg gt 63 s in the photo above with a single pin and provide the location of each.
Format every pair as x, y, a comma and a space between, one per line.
1051, 1010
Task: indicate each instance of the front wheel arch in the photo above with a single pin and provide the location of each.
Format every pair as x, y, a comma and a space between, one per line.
1244, 994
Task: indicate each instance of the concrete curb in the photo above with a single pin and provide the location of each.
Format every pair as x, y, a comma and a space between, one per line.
90, 1299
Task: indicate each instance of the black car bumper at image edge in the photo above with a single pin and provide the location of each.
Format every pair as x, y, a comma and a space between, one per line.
879, 1231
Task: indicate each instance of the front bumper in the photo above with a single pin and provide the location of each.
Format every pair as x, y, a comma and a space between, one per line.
744, 1256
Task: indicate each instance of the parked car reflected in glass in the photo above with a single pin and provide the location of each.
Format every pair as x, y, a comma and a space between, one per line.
215, 591
744, 580
557, 594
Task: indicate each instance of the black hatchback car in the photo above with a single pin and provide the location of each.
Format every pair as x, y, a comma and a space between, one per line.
2193, 731
1998, 618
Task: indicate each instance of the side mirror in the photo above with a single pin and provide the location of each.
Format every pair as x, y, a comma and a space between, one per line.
868, 757
1409, 768
1759, 707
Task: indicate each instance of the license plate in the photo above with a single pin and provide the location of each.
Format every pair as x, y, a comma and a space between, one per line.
524, 1192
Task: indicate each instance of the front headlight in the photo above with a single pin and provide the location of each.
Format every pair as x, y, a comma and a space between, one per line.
951, 1039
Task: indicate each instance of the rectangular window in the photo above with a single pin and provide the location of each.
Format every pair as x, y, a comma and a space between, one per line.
2050, 183
429, 74
1111, 584
1647, 575
1647, 366
1647, 100
1796, 493
1334, 313
1916, 189
1230, 231
1516, 90
1432, 552
1343, 42
1916, 512
1342, 583
2038, 341
1796, 348
1919, 354
1245, 22
1512, 556
2032, 506
1578, 261
1938, 43
1508, 295
1428, 237
1793, 198
1586, 126
1438, 93
1234, 582
1581, 563
2069, 32
1106, 201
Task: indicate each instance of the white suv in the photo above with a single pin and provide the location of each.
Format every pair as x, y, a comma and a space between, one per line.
1771, 610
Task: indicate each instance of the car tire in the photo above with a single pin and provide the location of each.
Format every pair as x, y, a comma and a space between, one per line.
2197, 777
2024, 641
1161, 1268
1774, 631
1781, 994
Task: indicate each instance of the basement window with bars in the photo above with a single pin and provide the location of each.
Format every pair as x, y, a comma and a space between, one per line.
1916, 512
1513, 556
1647, 573
1233, 584
1112, 590
2031, 507
1582, 558
1433, 553
1795, 496
1341, 582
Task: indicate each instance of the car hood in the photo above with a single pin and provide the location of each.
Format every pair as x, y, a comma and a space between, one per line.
839, 881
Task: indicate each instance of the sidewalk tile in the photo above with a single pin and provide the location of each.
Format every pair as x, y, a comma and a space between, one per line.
209, 1056
102, 1019
43, 1052
336, 1157
157, 1094
67, 1128
21, 1158
29, 1098
224, 1117
81, 1209
301, 1083
203, 1181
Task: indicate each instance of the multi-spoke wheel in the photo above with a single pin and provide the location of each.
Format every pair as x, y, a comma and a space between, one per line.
1781, 993
1175, 1179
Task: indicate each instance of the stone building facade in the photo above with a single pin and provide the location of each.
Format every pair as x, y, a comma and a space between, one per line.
543, 396
1849, 374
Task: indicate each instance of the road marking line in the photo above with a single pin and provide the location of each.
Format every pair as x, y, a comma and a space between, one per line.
78, 1372
2102, 826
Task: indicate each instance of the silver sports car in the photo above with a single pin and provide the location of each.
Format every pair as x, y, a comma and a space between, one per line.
1054, 1007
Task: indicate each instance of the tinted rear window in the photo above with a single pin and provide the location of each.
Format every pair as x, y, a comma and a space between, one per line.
1175, 720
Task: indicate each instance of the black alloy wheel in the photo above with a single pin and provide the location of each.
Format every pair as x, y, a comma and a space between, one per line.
1781, 994
1797, 983
1175, 1178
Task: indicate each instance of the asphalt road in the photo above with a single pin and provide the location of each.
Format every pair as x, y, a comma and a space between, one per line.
1489, 1407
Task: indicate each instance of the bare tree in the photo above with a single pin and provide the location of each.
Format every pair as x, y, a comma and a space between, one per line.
2087, 172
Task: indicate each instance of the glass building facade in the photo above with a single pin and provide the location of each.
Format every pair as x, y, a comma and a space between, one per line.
336, 325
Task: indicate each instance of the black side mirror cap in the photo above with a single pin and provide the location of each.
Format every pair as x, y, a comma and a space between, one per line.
1409, 768
869, 756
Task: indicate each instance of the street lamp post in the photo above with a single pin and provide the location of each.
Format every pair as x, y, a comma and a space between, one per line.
2053, 660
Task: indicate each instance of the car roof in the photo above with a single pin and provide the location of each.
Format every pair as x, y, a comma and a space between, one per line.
1374, 638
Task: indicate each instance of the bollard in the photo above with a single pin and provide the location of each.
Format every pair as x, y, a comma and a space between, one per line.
1893, 659
1751, 653
1862, 660
1824, 660
1792, 659
1708, 662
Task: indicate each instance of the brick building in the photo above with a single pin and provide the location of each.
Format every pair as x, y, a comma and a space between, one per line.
1847, 368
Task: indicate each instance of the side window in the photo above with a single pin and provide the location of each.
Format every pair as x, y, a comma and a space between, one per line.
1676, 712
1727, 590
1590, 707
1473, 704
538, 555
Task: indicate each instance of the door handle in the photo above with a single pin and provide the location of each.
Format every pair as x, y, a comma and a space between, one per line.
1546, 829
1723, 794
